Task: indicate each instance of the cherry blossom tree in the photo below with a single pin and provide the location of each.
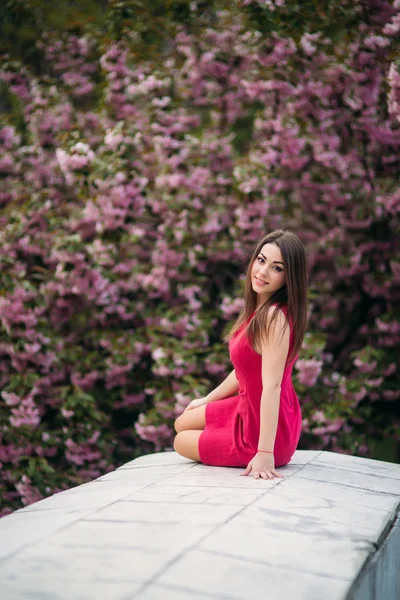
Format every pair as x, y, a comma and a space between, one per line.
142, 157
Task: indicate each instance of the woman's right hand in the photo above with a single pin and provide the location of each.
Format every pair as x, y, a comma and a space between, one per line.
196, 403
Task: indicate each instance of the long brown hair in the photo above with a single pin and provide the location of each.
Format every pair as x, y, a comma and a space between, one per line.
293, 294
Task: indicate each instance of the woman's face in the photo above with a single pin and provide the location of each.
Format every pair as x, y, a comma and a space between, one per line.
267, 272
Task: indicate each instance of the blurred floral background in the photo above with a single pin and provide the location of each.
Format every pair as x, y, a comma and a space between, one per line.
145, 147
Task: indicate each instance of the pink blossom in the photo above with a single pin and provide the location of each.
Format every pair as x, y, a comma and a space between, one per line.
332, 427
131, 400
67, 414
9, 137
26, 414
79, 157
394, 94
214, 368
158, 353
374, 42
374, 382
230, 308
117, 375
388, 327
364, 367
319, 415
80, 83
28, 493
113, 139
87, 381
393, 27
164, 371
309, 371
10, 398
390, 370
78, 454
358, 396
306, 43
158, 435
391, 395
181, 402
192, 294
172, 181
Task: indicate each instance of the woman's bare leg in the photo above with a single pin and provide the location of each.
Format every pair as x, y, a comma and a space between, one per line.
194, 418
186, 443
189, 426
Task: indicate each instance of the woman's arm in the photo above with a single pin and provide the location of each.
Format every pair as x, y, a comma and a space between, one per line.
274, 353
227, 388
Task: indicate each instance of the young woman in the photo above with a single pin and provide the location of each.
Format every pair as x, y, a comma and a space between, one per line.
253, 418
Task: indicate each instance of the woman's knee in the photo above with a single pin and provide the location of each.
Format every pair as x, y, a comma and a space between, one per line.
177, 444
192, 419
186, 443
180, 445
178, 425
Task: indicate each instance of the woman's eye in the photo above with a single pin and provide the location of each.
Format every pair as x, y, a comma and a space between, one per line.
279, 270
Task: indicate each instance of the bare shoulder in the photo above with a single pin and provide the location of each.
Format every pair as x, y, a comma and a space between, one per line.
278, 323
276, 331
274, 349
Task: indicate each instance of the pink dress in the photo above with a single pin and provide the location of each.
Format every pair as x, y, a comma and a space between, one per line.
230, 436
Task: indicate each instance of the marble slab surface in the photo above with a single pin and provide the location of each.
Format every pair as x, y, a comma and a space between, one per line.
163, 527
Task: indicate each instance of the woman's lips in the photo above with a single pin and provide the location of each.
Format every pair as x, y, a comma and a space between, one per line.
260, 282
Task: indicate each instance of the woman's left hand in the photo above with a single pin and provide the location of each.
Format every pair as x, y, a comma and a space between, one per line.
262, 466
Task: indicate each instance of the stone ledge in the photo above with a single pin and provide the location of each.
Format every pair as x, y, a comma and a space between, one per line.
163, 527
